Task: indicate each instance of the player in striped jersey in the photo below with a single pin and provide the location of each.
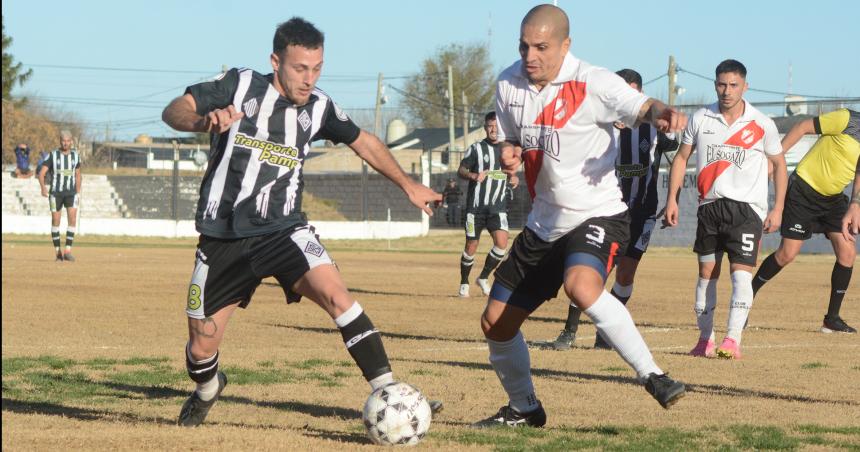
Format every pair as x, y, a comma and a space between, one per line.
486, 205
640, 150
63, 167
249, 214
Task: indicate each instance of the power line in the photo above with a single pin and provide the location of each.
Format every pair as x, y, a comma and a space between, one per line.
654, 79
765, 91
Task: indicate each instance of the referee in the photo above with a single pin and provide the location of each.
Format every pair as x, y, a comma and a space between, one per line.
249, 215
486, 204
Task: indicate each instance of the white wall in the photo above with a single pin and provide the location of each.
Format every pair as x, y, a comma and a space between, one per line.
22, 224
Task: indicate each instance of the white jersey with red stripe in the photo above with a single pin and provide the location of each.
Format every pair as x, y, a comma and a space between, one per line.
566, 131
732, 159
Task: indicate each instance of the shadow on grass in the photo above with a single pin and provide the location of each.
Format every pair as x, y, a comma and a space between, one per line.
385, 334
82, 414
376, 292
717, 390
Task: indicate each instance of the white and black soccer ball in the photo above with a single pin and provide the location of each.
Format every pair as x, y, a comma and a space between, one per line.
397, 414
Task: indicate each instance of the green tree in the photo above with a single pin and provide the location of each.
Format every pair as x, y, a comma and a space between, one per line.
12, 73
426, 99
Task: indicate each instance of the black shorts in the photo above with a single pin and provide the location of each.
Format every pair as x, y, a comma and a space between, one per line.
729, 226
641, 227
533, 270
59, 200
477, 221
229, 271
808, 212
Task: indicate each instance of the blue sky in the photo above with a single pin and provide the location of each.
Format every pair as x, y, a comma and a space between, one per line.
363, 38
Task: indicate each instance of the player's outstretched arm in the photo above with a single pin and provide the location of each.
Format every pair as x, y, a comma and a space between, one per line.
851, 220
780, 184
181, 114
676, 179
797, 132
376, 154
662, 117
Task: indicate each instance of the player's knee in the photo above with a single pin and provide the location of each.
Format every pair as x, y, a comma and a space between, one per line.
583, 288
201, 349
784, 256
495, 328
846, 256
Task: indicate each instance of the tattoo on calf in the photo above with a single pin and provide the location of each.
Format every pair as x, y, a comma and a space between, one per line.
204, 327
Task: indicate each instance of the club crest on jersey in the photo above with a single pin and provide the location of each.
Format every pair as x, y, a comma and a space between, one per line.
250, 107
305, 120
725, 153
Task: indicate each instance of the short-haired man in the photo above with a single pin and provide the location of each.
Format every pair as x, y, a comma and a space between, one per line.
64, 167
486, 205
815, 204
249, 214
640, 150
734, 141
556, 115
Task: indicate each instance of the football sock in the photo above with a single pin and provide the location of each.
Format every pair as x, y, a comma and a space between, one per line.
70, 237
616, 326
766, 271
622, 293
706, 302
364, 343
510, 360
204, 373
742, 299
839, 280
466, 262
493, 258
55, 237
572, 322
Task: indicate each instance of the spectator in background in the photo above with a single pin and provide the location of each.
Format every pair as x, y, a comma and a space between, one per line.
451, 195
22, 158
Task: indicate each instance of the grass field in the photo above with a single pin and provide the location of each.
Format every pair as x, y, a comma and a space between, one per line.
93, 358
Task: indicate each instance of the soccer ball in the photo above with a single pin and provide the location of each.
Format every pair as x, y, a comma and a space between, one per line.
397, 413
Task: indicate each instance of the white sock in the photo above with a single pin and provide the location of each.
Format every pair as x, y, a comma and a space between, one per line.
381, 381
706, 302
510, 359
615, 324
206, 391
349, 315
622, 291
742, 299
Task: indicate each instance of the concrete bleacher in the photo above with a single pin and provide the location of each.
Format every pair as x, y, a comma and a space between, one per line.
150, 197
98, 200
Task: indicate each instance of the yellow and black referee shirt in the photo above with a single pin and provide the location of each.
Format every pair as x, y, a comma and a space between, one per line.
831, 163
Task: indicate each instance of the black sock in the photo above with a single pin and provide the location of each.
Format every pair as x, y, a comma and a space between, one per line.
572, 322
55, 238
466, 263
623, 300
70, 236
364, 344
493, 259
839, 280
768, 269
201, 372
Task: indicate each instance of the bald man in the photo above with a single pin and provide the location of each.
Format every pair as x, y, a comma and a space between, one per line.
555, 115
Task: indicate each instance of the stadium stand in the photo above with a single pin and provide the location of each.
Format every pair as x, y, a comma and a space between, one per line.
99, 200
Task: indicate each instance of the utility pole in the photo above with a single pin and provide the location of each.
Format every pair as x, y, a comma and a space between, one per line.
672, 76
377, 130
450, 111
465, 126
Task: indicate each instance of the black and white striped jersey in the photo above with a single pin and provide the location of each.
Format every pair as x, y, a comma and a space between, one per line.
61, 171
491, 193
637, 165
253, 185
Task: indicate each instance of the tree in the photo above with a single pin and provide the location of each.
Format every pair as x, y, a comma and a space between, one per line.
426, 100
12, 73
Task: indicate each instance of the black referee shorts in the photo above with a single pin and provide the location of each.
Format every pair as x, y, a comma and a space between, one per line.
229, 271
808, 212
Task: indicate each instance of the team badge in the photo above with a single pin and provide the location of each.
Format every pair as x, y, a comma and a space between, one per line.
250, 108
315, 249
305, 120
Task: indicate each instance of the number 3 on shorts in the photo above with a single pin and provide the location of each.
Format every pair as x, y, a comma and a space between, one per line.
748, 244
